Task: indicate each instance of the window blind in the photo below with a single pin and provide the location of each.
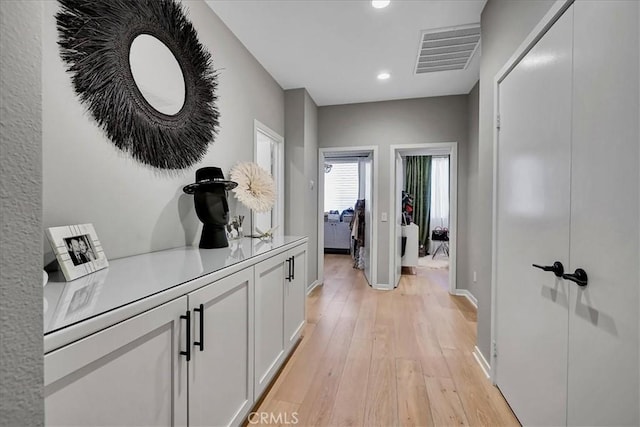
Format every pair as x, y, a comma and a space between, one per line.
341, 186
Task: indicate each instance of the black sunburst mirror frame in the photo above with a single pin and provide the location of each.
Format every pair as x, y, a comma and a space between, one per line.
95, 38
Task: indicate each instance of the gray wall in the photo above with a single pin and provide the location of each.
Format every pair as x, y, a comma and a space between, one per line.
410, 121
465, 270
134, 208
294, 159
311, 174
301, 172
21, 363
46, 135
505, 24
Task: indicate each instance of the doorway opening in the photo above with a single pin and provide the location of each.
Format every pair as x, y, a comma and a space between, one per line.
423, 212
346, 208
268, 152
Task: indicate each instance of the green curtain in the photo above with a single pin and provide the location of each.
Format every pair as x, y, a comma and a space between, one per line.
418, 184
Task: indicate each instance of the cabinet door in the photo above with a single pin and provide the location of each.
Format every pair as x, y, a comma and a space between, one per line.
328, 235
129, 374
603, 316
534, 163
294, 296
269, 320
221, 369
343, 235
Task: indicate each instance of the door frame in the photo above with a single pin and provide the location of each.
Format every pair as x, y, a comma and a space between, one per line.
426, 149
278, 159
547, 21
373, 254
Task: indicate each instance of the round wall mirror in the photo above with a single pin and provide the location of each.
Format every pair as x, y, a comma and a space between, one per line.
143, 75
157, 74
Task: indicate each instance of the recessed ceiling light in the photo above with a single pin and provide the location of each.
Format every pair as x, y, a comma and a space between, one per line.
379, 4
383, 76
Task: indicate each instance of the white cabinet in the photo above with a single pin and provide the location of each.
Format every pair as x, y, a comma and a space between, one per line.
270, 276
294, 296
221, 366
337, 235
279, 311
129, 374
201, 359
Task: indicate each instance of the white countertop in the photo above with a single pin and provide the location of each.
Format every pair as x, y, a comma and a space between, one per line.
136, 278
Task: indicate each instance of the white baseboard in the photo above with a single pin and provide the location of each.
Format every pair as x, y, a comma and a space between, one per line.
484, 365
382, 287
314, 285
467, 294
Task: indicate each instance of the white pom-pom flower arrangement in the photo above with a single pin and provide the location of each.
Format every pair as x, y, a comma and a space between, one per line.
256, 188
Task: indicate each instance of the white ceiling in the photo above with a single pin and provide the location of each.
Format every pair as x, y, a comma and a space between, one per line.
335, 49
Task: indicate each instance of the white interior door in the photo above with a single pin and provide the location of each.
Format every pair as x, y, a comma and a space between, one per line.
398, 208
368, 218
603, 316
534, 158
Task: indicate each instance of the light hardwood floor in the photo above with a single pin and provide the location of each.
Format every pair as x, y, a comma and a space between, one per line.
380, 358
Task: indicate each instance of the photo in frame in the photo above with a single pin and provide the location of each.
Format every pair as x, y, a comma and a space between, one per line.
77, 249
234, 228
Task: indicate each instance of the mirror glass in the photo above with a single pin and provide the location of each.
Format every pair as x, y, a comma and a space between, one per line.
157, 74
264, 157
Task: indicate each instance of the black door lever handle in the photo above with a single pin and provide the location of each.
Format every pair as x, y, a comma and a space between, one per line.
557, 268
579, 277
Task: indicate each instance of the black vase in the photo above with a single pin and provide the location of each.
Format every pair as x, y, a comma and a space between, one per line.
213, 210
210, 198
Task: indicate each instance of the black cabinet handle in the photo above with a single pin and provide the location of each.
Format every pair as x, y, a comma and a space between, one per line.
289, 267
200, 343
557, 268
293, 268
187, 353
579, 277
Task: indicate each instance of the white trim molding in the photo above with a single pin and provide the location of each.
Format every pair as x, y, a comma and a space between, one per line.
468, 295
312, 286
484, 365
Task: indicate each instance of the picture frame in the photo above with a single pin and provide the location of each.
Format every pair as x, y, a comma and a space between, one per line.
77, 249
233, 229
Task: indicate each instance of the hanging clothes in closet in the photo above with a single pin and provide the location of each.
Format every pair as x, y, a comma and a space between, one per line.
357, 235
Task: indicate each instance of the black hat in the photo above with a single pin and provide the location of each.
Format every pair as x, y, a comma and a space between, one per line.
209, 176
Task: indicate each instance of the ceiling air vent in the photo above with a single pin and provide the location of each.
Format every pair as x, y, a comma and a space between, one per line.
447, 49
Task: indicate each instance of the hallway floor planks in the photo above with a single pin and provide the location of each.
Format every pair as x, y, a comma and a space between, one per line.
380, 358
